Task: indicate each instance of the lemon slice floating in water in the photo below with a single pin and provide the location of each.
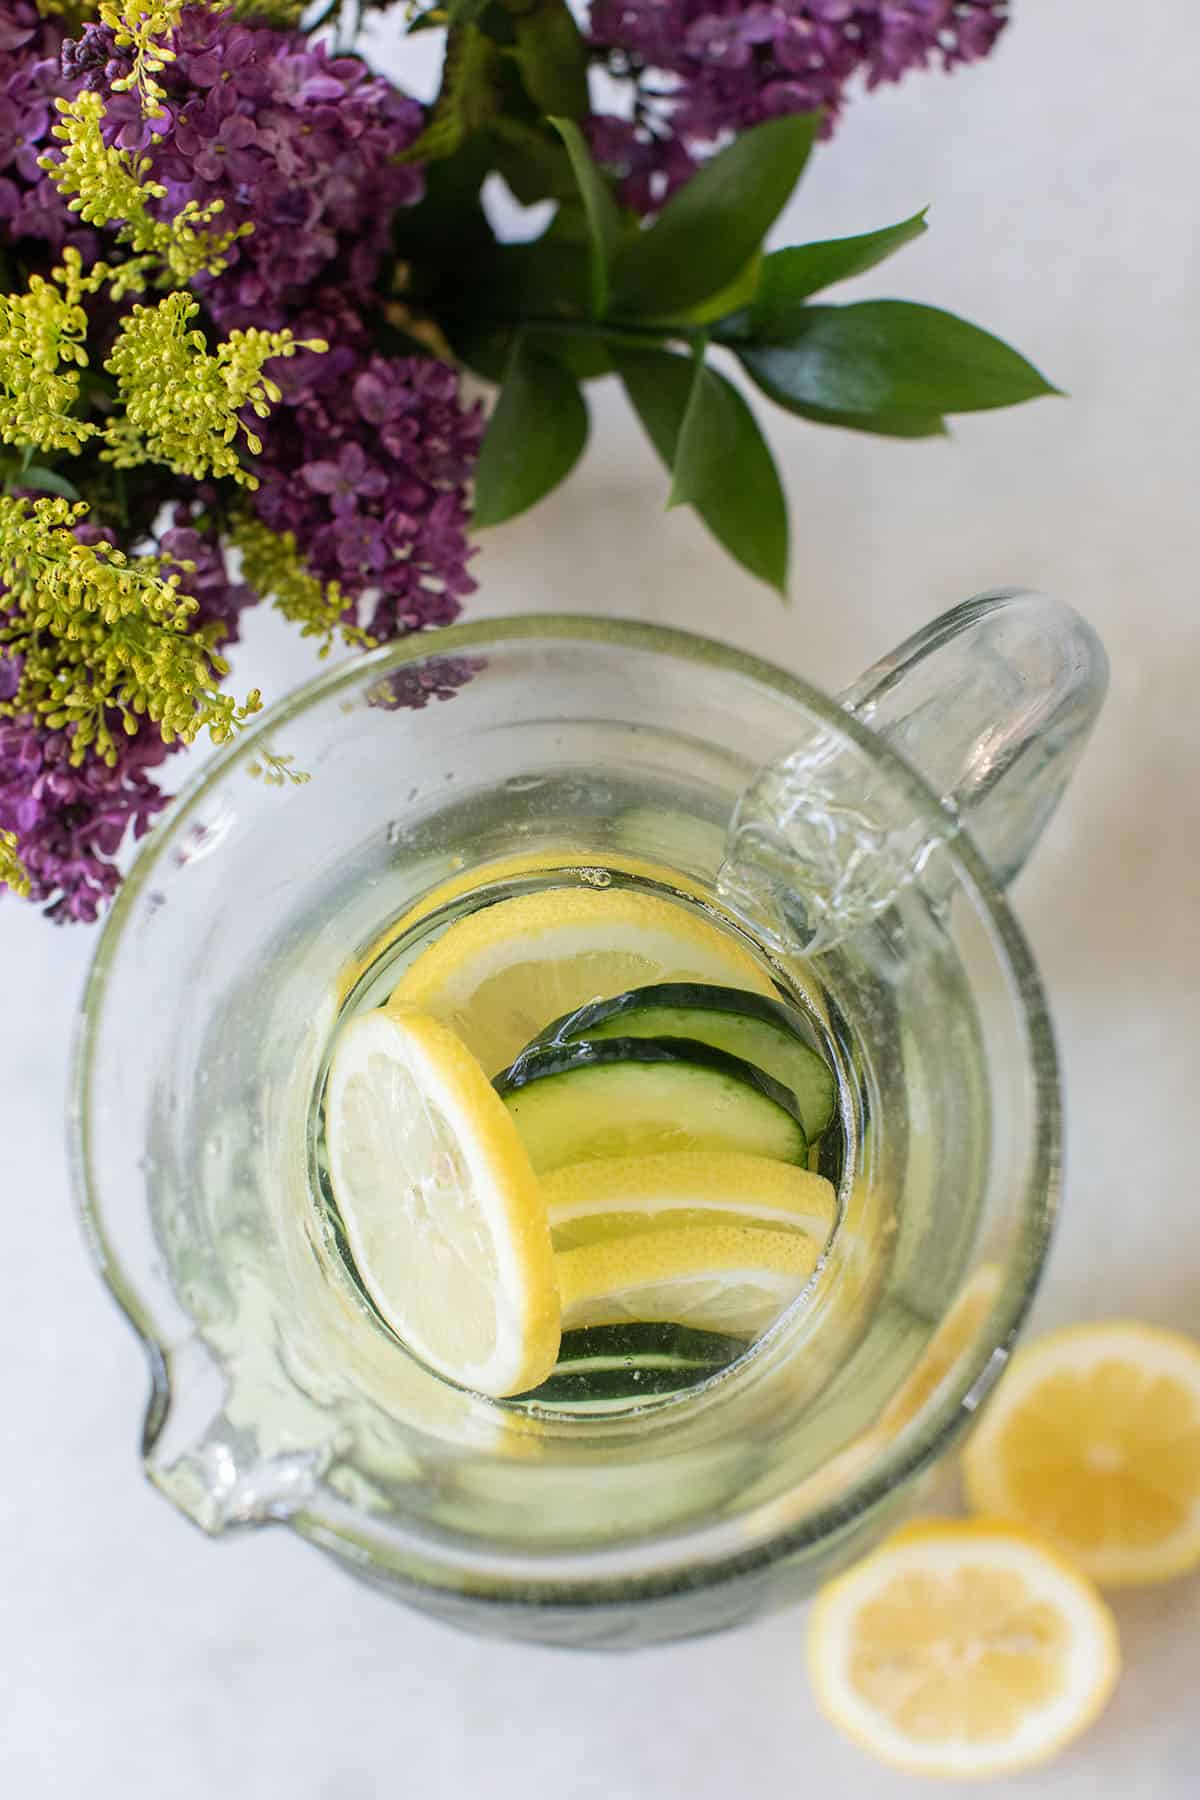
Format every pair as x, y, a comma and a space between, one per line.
442, 1211
500, 974
595, 1202
734, 1279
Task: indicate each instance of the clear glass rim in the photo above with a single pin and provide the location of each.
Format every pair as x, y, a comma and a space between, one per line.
703, 1554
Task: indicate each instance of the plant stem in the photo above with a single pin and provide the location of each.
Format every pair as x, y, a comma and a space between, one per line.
635, 337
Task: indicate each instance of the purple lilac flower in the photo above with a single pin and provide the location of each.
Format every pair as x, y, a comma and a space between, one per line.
71, 822
366, 461
702, 69
30, 78
299, 143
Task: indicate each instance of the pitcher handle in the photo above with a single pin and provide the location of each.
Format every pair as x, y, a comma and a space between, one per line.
992, 703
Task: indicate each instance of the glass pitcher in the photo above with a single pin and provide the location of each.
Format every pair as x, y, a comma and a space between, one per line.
862, 843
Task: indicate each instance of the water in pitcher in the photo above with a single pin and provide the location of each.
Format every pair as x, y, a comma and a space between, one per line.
860, 1113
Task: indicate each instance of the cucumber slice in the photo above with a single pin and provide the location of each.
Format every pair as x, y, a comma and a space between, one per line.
635, 1096
633, 1361
760, 1031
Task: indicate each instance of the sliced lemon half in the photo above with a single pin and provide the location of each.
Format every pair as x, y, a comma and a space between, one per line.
732, 1278
442, 1211
502, 974
1093, 1439
962, 1649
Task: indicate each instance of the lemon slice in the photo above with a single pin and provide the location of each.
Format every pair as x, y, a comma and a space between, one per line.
580, 860
594, 1202
552, 858
1093, 1439
500, 975
960, 1648
730, 1278
443, 1214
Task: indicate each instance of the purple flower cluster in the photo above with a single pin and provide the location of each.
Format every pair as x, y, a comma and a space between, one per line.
702, 69
70, 822
30, 78
298, 143
367, 461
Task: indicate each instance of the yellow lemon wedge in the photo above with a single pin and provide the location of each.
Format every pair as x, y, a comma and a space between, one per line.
443, 1214
962, 1649
502, 974
1093, 1439
734, 1279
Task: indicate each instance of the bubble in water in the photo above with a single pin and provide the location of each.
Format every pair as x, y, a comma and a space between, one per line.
597, 878
523, 784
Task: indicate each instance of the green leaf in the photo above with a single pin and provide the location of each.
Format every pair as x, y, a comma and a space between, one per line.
892, 357
534, 438
790, 276
740, 292
486, 348
586, 357
569, 224
881, 424
708, 232
603, 218
545, 278
707, 436
468, 97
47, 481
770, 371
536, 167
552, 56
448, 225
719, 309
461, 12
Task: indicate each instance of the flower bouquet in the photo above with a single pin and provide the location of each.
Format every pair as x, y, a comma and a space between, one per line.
249, 287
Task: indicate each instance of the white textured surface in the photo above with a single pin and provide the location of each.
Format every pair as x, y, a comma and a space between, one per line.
137, 1659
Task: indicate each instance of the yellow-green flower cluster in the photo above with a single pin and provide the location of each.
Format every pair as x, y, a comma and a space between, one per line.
272, 565
103, 638
12, 870
142, 27
42, 334
182, 403
109, 186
